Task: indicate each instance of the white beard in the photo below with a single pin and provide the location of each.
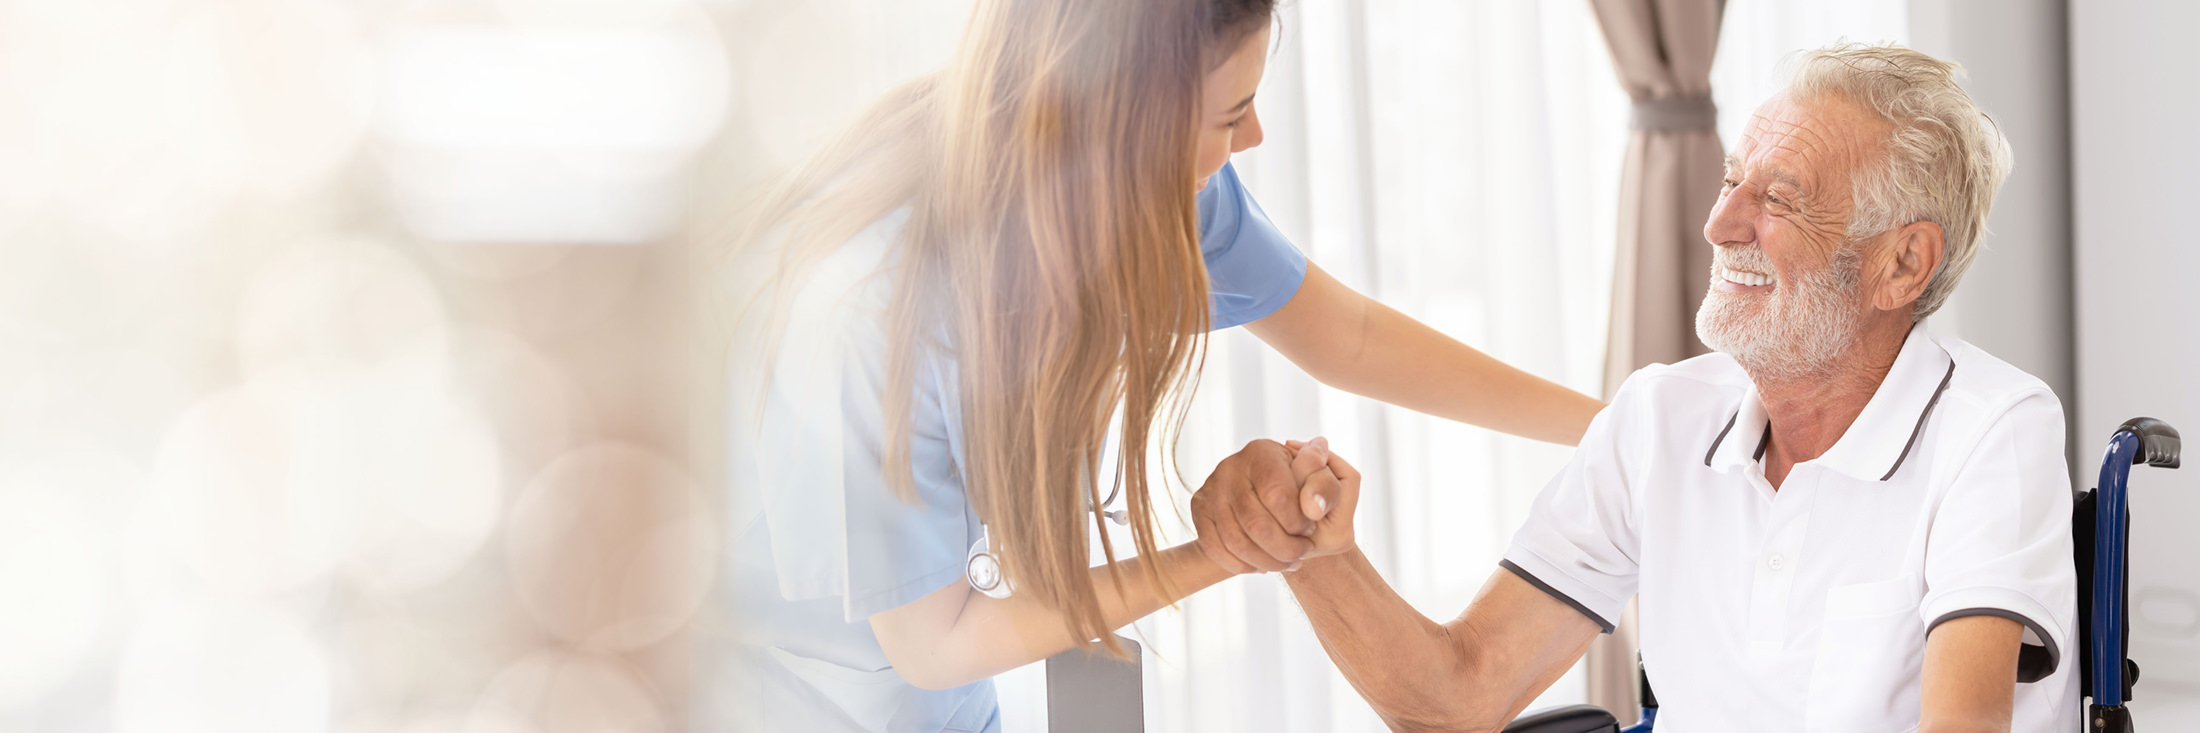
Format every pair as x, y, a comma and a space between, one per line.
1797, 330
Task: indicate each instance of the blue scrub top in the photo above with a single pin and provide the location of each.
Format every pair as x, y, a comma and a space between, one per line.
819, 543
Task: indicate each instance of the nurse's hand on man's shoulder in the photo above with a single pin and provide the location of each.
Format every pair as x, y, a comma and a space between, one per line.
1267, 507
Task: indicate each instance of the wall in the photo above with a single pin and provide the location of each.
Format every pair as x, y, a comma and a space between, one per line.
2134, 107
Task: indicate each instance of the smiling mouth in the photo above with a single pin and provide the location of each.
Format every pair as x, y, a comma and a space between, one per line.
1745, 278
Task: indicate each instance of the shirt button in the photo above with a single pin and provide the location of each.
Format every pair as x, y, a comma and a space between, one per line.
1776, 562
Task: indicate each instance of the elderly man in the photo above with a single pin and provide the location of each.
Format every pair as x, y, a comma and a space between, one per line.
1838, 523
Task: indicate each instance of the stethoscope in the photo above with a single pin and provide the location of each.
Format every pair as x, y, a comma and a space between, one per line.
983, 568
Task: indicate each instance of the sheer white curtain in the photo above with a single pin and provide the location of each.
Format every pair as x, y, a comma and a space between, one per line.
1758, 34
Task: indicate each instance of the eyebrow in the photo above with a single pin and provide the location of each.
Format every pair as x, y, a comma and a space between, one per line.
1243, 103
1778, 175
1781, 176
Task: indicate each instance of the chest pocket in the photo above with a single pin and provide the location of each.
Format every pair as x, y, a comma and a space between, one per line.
1871, 652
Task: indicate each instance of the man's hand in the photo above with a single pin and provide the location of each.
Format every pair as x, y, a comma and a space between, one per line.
1267, 507
1248, 513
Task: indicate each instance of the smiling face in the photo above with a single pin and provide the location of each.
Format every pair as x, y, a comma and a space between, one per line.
1228, 123
1789, 287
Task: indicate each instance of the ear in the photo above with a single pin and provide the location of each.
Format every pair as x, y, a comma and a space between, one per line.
1913, 254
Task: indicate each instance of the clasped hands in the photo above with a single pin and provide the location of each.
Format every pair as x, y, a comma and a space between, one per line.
1271, 506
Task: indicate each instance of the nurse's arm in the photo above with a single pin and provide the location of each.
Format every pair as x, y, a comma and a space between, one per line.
1474, 673
955, 635
1351, 342
1970, 673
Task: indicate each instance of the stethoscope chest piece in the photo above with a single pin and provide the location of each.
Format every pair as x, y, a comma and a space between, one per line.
983, 570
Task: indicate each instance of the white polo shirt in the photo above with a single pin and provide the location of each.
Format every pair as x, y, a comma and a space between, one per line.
1807, 608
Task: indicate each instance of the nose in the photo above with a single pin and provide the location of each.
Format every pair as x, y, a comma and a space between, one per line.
1730, 222
1248, 131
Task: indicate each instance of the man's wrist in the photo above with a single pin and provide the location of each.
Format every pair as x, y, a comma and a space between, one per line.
1316, 568
1202, 559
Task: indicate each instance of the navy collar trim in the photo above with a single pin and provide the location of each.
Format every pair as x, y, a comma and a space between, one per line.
1915, 431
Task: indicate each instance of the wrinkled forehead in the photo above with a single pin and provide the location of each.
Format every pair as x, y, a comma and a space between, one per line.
1812, 141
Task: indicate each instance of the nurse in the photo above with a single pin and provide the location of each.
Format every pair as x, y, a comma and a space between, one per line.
945, 315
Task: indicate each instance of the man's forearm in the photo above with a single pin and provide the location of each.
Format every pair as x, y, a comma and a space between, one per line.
1970, 675
1409, 668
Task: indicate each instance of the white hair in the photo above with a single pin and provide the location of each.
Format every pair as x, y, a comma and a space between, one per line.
1945, 158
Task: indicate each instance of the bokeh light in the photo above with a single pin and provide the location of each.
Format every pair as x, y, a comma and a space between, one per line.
515, 383
349, 355
557, 692
222, 669
807, 36
610, 548
434, 484
151, 117
255, 487
344, 305
570, 124
56, 575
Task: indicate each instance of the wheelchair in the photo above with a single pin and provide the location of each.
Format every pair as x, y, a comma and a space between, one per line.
2100, 525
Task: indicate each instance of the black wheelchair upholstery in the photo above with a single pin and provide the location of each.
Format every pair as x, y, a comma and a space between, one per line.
1566, 719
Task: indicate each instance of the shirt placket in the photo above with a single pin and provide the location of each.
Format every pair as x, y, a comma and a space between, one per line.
1778, 553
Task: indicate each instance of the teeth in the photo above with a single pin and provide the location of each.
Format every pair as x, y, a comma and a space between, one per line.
1739, 277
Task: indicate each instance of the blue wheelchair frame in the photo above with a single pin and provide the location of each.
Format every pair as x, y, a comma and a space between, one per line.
2104, 517
2100, 524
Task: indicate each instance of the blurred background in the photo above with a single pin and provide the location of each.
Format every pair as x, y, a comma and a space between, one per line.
356, 361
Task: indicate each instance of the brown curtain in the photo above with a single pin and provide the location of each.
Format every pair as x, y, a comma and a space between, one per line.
1662, 52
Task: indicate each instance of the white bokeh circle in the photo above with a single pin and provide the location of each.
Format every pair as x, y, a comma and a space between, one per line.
431, 478
337, 305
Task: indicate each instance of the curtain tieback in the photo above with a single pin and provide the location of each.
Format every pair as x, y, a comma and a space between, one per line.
1675, 114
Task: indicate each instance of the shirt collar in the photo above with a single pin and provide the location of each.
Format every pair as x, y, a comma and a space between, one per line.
1880, 440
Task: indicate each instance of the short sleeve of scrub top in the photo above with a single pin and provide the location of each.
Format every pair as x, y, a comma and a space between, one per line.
820, 540
837, 545
837, 530
1251, 269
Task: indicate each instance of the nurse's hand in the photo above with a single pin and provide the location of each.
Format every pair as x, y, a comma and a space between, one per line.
1332, 496
1258, 512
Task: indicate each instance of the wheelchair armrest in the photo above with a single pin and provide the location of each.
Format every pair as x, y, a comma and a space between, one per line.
2158, 442
1567, 719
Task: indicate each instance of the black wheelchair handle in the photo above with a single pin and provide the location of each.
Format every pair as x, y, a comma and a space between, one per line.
2158, 442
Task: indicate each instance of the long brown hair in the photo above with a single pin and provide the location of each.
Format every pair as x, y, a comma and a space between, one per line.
1051, 253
